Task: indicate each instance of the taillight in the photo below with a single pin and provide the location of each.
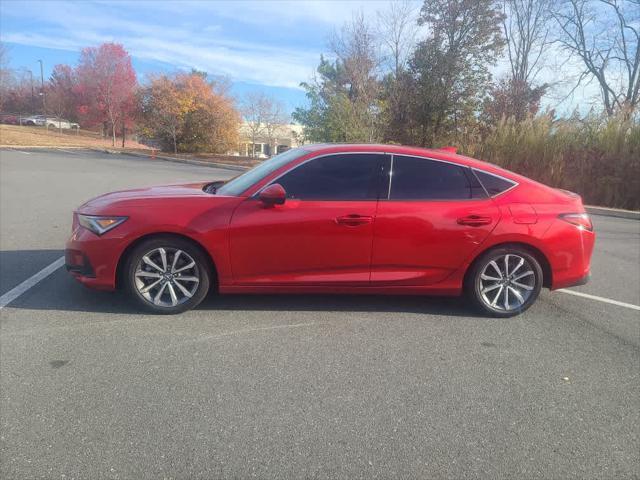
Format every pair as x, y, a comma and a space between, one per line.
580, 220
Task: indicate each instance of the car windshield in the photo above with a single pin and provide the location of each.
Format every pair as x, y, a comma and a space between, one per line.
242, 182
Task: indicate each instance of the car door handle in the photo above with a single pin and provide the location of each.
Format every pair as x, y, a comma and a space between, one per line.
475, 220
354, 220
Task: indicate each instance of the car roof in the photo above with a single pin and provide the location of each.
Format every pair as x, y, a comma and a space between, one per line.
446, 154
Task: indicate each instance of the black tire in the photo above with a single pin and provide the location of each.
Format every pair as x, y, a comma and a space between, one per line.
169, 244
480, 294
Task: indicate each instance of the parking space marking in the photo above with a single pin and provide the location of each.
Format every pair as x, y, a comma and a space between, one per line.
20, 151
30, 282
600, 299
15, 292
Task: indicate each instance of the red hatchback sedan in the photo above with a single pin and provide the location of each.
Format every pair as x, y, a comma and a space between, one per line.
377, 219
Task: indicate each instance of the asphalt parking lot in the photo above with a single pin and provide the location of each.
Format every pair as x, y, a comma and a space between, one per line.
300, 387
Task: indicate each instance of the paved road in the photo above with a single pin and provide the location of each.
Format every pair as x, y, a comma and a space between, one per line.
302, 387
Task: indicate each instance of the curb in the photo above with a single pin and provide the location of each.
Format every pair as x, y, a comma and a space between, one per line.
613, 212
202, 163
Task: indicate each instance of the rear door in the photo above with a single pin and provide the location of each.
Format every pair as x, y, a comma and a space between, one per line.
435, 216
321, 235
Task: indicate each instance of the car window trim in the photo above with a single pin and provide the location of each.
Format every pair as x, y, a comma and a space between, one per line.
379, 197
513, 183
389, 199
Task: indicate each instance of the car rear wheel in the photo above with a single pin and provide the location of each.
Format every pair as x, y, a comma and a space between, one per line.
504, 281
167, 275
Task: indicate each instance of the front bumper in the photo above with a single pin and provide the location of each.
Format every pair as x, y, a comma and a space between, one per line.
78, 264
93, 260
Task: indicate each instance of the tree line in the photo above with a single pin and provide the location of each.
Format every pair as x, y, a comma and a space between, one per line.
186, 112
423, 76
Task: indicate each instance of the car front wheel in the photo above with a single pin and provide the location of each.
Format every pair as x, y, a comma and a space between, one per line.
167, 275
504, 281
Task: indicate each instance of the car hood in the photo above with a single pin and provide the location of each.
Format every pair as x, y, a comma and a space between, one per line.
144, 196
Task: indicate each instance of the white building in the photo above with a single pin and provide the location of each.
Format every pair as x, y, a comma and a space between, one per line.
283, 138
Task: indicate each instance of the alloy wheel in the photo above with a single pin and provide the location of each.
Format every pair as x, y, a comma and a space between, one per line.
166, 277
507, 282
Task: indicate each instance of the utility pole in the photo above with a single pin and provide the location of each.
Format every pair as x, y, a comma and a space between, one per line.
44, 100
33, 101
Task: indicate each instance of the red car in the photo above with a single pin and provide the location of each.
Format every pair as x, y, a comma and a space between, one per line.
377, 219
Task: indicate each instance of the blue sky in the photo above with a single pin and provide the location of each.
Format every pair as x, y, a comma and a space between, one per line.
269, 46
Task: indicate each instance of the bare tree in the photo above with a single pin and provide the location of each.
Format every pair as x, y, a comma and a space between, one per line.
605, 36
253, 114
6, 75
355, 46
263, 116
526, 28
397, 29
275, 117
357, 70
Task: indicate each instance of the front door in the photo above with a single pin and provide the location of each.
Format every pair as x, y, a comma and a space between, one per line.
436, 215
321, 235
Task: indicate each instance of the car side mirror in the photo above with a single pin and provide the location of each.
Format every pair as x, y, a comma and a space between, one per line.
274, 194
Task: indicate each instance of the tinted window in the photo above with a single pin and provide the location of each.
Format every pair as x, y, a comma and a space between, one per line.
335, 177
494, 185
420, 179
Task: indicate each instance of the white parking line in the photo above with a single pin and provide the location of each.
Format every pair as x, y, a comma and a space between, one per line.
30, 282
20, 151
15, 292
600, 299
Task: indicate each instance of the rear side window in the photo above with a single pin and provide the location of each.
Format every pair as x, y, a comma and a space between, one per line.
493, 184
415, 178
335, 177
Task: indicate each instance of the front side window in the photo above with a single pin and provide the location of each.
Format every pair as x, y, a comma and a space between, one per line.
415, 178
335, 177
242, 182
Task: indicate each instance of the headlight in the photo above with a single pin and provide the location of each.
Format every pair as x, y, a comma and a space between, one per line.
99, 224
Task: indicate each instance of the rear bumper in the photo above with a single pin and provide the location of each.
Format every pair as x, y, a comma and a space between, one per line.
569, 251
580, 281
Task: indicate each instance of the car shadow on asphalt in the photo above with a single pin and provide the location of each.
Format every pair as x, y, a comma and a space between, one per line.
60, 292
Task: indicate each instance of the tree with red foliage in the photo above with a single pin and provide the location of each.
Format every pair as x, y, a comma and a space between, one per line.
107, 84
62, 96
510, 98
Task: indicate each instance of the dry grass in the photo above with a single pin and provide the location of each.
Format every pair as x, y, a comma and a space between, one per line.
597, 157
23, 136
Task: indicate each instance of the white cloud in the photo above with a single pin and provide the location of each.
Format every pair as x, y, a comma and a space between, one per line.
181, 44
224, 37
